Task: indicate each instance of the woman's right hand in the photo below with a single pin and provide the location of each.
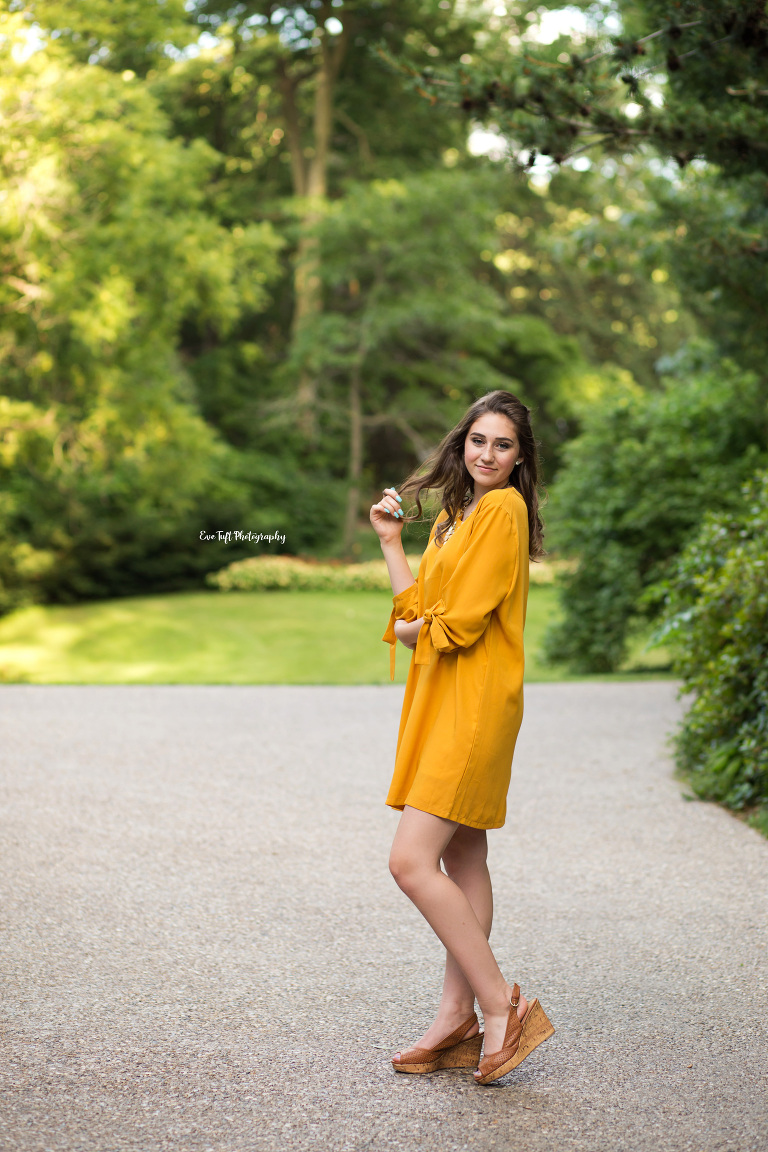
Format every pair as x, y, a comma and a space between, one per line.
387, 517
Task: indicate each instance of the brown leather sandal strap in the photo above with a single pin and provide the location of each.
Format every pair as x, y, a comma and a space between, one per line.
458, 1034
424, 1055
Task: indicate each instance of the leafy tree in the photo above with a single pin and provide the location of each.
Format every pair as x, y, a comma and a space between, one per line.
109, 470
709, 61
120, 35
579, 255
715, 237
679, 79
312, 93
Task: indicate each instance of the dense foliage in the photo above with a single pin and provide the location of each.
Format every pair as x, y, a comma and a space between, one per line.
250, 279
107, 466
683, 81
716, 619
636, 483
709, 59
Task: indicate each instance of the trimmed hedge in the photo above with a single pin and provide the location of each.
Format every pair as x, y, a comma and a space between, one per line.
292, 574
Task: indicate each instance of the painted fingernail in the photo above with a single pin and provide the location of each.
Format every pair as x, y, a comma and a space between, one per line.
399, 498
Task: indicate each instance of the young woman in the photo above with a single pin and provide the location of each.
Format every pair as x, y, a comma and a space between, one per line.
462, 710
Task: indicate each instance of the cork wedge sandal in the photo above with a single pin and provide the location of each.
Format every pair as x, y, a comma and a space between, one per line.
453, 1052
520, 1039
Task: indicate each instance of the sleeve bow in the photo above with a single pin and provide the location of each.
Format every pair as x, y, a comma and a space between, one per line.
405, 608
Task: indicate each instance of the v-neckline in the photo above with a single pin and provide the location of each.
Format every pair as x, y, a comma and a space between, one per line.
463, 519
465, 516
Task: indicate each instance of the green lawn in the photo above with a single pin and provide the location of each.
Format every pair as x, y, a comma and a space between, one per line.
238, 638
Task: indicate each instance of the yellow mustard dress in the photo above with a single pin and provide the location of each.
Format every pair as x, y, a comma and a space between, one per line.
463, 701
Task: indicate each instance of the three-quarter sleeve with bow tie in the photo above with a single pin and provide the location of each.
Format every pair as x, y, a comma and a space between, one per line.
480, 581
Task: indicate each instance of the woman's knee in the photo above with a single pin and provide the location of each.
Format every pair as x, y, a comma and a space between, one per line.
468, 849
405, 868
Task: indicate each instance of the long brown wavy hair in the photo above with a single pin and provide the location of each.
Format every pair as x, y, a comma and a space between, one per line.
446, 470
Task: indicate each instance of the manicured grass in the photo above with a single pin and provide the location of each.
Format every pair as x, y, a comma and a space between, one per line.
215, 638
543, 607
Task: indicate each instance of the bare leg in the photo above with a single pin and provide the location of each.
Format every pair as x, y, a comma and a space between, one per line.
465, 861
420, 842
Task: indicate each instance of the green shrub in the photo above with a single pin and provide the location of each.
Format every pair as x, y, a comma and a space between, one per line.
716, 623
114, 512
636, 484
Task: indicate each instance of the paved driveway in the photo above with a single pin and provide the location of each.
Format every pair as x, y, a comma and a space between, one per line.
202, 947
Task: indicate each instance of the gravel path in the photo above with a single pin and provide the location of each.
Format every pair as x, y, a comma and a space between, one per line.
202, 947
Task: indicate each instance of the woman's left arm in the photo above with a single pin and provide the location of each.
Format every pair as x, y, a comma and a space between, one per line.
482, 578
407, 631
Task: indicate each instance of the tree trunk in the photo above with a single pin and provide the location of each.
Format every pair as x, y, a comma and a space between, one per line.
355, 460
309, 170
